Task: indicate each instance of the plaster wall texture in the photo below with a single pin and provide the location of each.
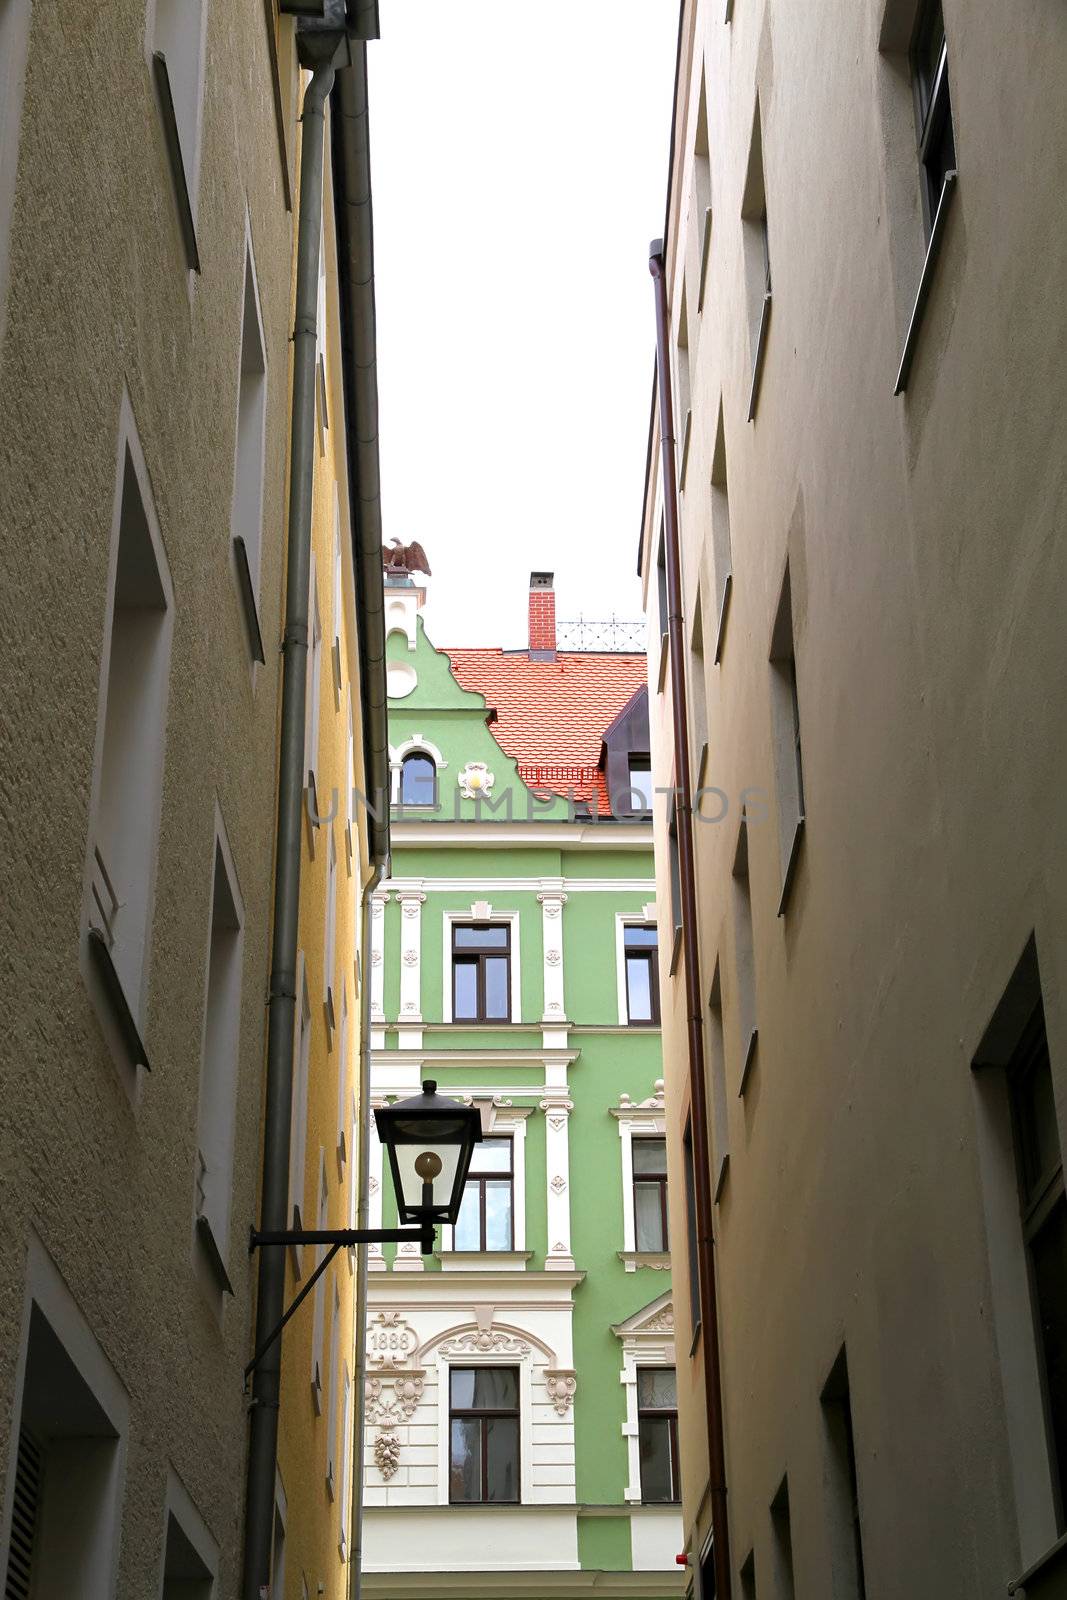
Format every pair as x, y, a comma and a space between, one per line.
923, 541
98, 1162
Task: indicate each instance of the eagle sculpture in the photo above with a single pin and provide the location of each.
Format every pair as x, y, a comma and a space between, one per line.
407, 558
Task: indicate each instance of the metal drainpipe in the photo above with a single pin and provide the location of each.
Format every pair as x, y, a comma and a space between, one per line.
359, 1408
263, 1426
690, 946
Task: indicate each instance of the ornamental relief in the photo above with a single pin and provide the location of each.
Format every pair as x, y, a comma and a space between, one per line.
391, 1343
561, 1385
475, 779
483, 1341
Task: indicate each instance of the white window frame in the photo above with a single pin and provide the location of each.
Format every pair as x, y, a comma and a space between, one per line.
319, 1375
14, 46
642, 1347
485, 1358
329, 953
219, 1225
636, 1121
190, 159
178, 1504
624, 920
500, 917
415, 745
505, 1122
299, 1112
46, 1290
129, 448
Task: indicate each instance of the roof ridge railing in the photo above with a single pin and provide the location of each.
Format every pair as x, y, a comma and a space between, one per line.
614, 636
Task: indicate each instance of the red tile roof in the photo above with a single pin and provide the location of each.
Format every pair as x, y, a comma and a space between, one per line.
552, 715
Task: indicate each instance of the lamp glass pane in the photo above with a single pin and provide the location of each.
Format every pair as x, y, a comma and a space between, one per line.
411, 1183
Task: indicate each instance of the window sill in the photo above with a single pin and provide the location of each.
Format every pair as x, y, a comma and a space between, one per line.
720, 632
174, 155
926, 278
791, 865
658, 1260
483, 1260
105, 969
248, 599
213, 1255
1056, 1557
761, 351
750, 1056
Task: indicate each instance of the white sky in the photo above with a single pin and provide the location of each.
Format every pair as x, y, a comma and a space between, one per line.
519, 161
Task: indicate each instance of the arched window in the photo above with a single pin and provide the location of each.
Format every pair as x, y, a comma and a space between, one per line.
418, 780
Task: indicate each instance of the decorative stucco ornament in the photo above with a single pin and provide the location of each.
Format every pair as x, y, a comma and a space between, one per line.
558, 1184
409, 1392
387, 1454
475, 780
561, 1384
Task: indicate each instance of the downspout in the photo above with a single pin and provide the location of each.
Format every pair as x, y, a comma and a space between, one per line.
690, 946
318, 52
355, 248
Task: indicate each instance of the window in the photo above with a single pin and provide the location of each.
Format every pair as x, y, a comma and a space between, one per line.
346, 1460
70, 1454
721, 550
330, 945
674, 860
649, 1156
338, 599
246, 516
639, 771
748, 1577
130, 749
486, 1213
298, 1129
846, 1532
785, 723
178, 65
318, 1326
782, 1542
14, 35
702, 190
664, 614
418, 780
684, 413
1043, 1207
481, 972
218, 1065
698, 689
757, 257
277, 1544
657, 1430
717, 1072
342, 1079
350, 779
641, 954
744, 958
933, 108
691, 1250
331, 1392
314, 682
187, 1574
484, 1427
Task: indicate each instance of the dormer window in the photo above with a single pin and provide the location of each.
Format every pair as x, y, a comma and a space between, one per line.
640, 775
418, 780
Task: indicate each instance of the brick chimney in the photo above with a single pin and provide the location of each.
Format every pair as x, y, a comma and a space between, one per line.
542, 617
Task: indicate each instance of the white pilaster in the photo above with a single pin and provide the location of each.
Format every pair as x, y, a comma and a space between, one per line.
377, 968
552, 901
375, 1253
557, 1109
411, 901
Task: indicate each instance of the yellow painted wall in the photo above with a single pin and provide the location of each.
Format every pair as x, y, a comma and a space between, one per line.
313, 1533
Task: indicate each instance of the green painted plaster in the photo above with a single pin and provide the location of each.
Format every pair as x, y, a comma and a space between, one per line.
604, 1543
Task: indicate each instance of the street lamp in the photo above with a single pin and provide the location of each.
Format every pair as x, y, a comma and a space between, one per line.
429, 1140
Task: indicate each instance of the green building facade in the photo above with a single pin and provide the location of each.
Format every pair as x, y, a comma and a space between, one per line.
520, 1399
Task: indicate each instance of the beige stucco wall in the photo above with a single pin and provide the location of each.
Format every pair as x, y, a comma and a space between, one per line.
99, 300
924, 539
